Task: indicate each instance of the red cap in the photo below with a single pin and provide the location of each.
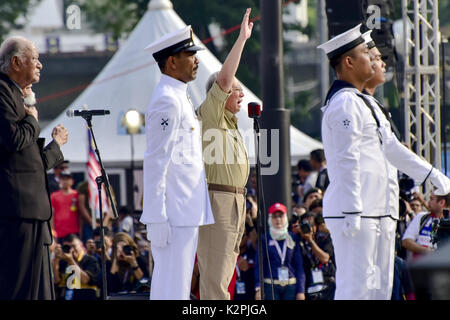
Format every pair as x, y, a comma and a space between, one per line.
277, 207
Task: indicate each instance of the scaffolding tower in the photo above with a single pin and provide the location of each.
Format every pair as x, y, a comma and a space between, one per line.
421, 79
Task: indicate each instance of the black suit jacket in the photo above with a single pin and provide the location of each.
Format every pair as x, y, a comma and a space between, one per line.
23, 159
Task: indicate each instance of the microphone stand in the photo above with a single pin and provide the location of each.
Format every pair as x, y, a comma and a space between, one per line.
102, 179
259, 198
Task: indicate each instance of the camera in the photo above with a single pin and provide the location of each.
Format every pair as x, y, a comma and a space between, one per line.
305, 227
441, 229
66, 248
98, 244
127, 250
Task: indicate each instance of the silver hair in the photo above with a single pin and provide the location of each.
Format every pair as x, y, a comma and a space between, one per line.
12, 47
212, 78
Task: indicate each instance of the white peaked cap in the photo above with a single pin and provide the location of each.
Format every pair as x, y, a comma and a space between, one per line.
368, 39
343, 42
172, 43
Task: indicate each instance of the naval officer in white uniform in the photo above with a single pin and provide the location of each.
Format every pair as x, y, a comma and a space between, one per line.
176, 200
397, 156
357, 199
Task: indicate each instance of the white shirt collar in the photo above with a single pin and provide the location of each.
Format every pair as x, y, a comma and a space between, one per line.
177, 84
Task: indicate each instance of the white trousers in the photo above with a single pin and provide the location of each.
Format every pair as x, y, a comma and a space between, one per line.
173, 265
365, 262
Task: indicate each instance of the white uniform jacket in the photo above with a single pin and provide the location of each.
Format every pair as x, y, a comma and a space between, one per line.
359, 164
399, 157
175, 186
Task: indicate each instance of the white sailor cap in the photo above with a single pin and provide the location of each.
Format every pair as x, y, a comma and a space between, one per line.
172, 43
343, 42
368, 39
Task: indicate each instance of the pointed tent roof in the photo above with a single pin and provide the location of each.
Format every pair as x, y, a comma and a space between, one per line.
128, 80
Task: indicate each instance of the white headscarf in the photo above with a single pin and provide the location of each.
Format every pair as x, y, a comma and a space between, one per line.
281, 233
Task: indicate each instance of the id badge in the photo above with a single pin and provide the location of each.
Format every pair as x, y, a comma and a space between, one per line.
317, 276
240, 287
69, 294
283, 274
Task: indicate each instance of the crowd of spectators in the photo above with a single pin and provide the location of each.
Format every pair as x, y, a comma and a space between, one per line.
300, 251
76, 251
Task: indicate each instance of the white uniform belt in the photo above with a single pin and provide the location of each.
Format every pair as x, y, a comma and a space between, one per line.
281, 282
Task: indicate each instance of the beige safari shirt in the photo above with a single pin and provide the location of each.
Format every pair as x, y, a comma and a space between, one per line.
224, 152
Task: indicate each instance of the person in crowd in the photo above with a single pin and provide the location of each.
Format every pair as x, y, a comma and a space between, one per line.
299, 210
218, 243
91, 248
65, 219
245, 275
362, 153
127, 268
318, 257
285, 260
252, 183
402, 288
109, 235
55, 178
418, 203
75, 271
176, 200
319, 165
312, 195
86, 230
25, 231
306, 180
316, 206
417, 237
126, 222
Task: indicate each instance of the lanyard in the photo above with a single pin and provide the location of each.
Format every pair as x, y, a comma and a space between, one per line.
238, 272
282, 255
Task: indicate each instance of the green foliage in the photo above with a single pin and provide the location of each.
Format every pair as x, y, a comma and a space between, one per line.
117, 17
9, 12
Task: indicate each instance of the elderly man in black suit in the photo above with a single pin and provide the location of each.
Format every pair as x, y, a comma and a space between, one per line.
25, 233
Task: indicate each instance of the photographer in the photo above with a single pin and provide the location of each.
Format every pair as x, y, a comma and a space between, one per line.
127, 268
318, 257
417, 237
75, 271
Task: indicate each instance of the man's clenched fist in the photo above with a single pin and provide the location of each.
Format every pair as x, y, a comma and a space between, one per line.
60, 135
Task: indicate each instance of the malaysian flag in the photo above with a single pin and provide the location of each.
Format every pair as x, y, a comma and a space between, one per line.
94, 170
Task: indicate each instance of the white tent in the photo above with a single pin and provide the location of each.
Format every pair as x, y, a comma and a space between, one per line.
128, 80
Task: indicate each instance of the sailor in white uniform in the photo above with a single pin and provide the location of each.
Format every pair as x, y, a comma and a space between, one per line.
399, 157
176, 200
358, 204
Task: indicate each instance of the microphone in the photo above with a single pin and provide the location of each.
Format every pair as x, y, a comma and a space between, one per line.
83, 113
254, 110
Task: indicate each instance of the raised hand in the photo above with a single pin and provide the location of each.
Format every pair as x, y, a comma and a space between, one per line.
246, 27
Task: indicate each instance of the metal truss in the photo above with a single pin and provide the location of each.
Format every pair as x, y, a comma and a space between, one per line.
421, 79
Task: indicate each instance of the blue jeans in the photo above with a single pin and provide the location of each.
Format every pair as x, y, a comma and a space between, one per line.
280, 292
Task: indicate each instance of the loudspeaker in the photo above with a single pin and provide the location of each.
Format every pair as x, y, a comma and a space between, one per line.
344, 17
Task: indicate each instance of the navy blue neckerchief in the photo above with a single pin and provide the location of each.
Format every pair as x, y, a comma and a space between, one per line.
335, 87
